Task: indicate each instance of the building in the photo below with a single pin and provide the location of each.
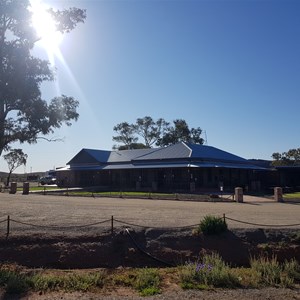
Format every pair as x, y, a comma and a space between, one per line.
181, 167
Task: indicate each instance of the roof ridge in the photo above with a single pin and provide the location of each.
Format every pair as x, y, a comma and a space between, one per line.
191, 150
150, 152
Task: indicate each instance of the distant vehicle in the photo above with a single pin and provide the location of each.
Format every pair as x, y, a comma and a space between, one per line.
47, 180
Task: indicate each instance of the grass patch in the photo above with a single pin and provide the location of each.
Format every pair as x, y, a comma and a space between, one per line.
39, 188
72, 282
209, 272
16, 281
292, 195
122, 194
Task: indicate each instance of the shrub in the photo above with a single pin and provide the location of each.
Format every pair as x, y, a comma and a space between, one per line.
292, 269
16, 281
13, 282
275, 274
211, 271
147, 282
212, 225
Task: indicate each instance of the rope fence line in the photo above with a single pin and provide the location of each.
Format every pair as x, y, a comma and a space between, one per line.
113, 222
158, 227
59, 227
262, 225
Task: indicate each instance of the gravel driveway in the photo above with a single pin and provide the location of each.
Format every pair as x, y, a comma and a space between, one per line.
64, 211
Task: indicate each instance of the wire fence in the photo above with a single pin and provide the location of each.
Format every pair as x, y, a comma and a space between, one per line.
111, 224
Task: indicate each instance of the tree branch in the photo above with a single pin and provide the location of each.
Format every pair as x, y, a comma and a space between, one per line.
52, 139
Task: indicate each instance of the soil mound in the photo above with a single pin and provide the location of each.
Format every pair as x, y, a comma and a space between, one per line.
150, 247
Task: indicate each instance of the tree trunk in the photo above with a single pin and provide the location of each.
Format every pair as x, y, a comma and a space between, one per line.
8, 179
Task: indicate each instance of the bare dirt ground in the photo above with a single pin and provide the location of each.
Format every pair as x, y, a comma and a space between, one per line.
50, 219
237, 294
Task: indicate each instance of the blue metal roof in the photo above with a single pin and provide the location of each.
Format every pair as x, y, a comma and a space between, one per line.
176, 151
209, 152
86, 156
178, 155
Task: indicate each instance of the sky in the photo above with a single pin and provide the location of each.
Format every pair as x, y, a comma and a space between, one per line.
230, 67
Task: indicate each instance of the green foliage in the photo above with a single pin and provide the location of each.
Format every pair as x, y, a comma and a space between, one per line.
24, 115
180, 132
15, 158
85, 282
147, 282
13, 281
16, 282
74, 282
43, 282
211, 271
292, 195
159, 133
289, 158
212, 225
272, 273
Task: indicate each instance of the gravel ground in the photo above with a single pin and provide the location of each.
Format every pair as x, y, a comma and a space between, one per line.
237, 294
63, 211
48, 210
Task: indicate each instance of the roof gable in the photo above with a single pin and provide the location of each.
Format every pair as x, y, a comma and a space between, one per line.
89, 156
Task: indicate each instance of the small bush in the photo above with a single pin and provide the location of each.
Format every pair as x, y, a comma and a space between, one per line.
147, 282
272, 273
212, 225
211, 271
292, 269
40, 282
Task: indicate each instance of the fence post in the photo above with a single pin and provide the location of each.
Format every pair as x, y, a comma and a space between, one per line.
25, 188
278, 194
224, 218
8, 226
13, 187
239, 194
112, 225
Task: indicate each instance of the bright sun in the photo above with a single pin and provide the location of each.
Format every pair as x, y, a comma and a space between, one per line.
44, 25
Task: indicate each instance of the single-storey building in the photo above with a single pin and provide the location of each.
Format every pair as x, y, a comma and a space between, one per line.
182, 167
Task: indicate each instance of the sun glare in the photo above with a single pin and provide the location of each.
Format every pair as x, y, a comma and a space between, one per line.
45, 28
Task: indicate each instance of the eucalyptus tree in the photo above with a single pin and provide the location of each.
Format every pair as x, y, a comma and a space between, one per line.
15, 158
180, 132
24, 115
125, 135
149, 130
155, 133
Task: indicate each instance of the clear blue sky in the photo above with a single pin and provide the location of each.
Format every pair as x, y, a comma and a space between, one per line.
229, 67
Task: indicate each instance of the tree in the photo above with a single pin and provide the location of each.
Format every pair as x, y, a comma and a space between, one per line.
131, 146
149, 130
24, 115
153, 132
180, 132
289, 158
126, 134
15, 158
